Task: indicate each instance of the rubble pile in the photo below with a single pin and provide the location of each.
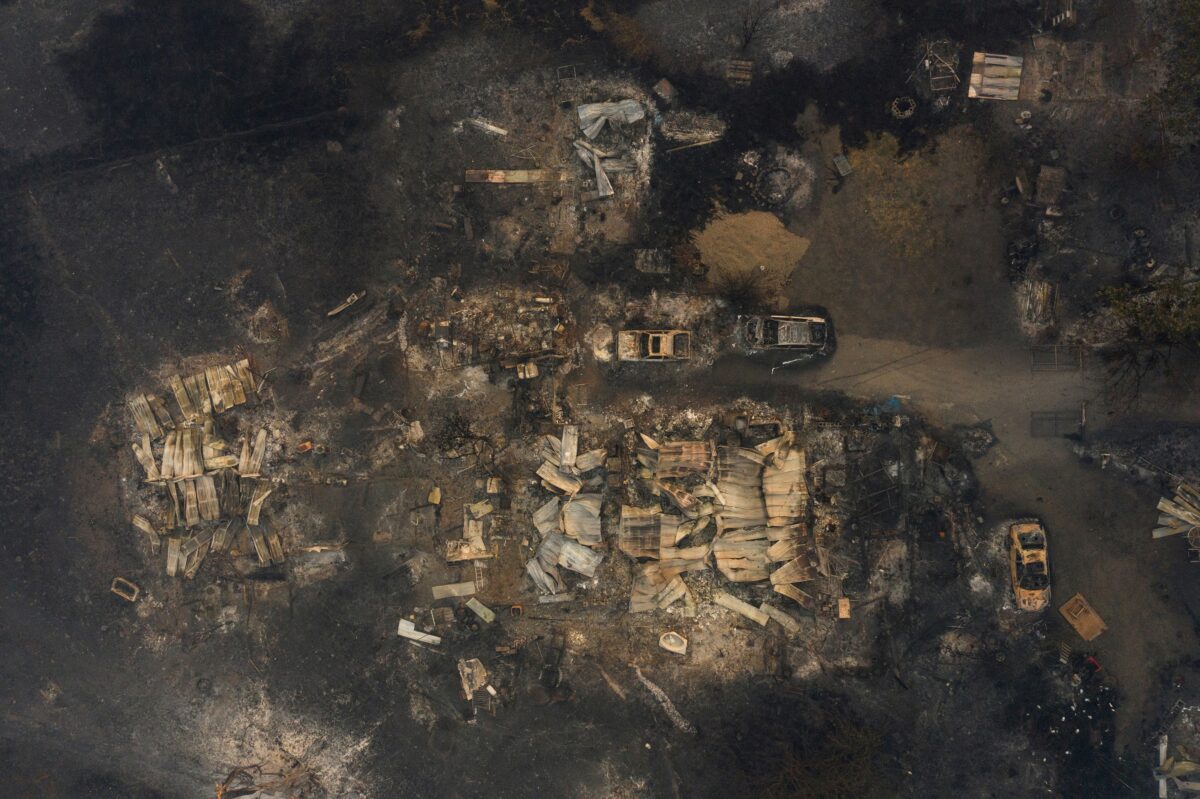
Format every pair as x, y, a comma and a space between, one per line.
755, 499
515, 329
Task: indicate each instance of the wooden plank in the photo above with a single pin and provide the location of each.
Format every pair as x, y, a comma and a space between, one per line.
249, 383
173, 549
566, 483
206, 493
514, 175
191, 504
143, 417
783, 550
160, 411
275, 546
244, 460
197, 557
144, 525
730, 602
220, 462
481, 610
213, 388
145, 456
262, 490
451, 590
233, 385
197, 390
187, 409
167, 469
789, 623
258, 454
260, 546
797, 570
193, 463
224, 535
570, 445
408, 630
1080, 615
802, 598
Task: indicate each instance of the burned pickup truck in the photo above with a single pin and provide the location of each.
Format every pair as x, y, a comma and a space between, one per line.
791, 338
654, 345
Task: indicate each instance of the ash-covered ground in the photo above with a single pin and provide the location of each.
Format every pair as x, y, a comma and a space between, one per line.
310, 330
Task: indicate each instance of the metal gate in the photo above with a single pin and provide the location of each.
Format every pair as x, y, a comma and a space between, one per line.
1053, 424
1056, 358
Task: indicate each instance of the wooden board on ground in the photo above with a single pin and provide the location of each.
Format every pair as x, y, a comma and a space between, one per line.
514, 175
1080, 615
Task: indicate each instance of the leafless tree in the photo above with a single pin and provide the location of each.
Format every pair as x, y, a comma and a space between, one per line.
751, 16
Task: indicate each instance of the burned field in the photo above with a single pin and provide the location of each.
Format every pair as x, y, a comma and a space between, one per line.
599, 399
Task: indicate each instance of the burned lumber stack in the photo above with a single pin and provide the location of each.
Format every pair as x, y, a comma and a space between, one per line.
212, 493
1181, 515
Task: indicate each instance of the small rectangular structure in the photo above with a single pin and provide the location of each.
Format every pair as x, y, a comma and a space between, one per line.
1080, 615
125, 589
995, 77
739, 72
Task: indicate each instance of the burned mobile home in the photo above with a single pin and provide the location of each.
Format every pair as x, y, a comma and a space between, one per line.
399, 402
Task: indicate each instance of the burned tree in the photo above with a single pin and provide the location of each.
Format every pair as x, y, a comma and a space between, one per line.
456, 438
751, 16
1152, 327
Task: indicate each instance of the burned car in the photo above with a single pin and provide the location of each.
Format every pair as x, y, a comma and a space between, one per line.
1029, 565
792, 339
654, 345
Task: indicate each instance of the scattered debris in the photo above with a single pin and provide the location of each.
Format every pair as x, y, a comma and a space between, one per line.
346, 303
1181, 515
409, 630
593, 116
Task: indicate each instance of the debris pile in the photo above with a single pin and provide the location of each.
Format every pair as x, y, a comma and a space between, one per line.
569, 522
514, 329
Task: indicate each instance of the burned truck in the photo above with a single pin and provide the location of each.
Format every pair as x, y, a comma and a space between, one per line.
654, 345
